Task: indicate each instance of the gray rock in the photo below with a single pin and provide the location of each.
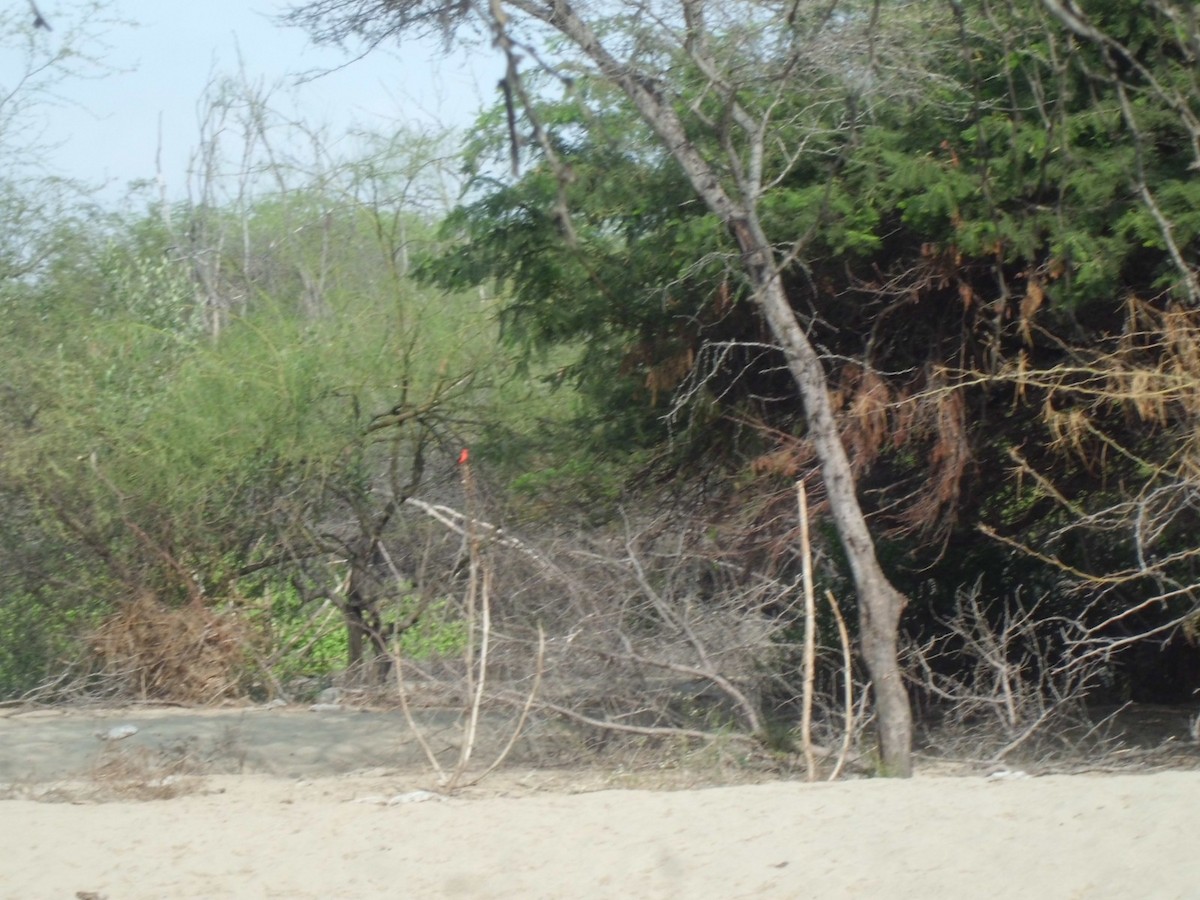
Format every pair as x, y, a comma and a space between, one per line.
117, 733
414, 797
330, 695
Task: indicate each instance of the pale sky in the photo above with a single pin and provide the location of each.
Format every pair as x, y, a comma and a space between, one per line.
107, 128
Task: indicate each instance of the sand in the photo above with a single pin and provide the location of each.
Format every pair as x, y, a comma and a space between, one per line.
528, 834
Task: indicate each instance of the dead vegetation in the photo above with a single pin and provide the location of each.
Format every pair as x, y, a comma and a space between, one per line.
123, 773
1007, 680
191, 654
650, 647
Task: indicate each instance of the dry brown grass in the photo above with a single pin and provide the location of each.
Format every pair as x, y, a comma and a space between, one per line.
190, 654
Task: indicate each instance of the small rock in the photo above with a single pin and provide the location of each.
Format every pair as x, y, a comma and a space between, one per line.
414, 797
1007, 775
324, 707
117, 733
330, 695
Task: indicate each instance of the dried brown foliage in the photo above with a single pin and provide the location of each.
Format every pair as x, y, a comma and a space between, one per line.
925, 419
665, 368
1119, 468
190, 654
1148, 374
933, 508
867, 416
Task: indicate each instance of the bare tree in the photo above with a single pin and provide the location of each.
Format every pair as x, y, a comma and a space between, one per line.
1010, 676
716, 83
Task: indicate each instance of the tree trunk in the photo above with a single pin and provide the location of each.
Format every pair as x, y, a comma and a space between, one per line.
354, 641
358, 631
879, 601
880, 604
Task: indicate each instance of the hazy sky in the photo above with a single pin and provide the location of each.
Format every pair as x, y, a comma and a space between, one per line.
108, 129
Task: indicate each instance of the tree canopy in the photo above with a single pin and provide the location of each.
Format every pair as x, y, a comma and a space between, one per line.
935, 260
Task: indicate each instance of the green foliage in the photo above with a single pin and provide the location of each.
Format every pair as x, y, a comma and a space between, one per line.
163, 440
439, 630
984, 211
302, 642
616, 305
37, 639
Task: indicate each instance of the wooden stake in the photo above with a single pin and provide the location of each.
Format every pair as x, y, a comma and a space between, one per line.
810, 636
848, 689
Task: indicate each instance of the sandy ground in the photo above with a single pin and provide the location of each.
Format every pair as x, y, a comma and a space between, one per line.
308, 830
